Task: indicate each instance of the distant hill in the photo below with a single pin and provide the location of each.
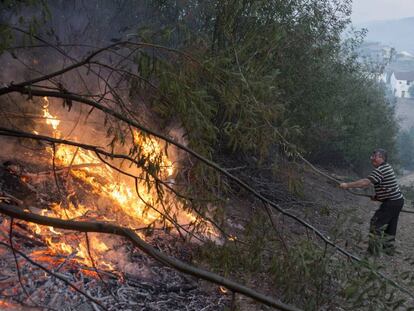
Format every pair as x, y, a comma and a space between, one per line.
396, 33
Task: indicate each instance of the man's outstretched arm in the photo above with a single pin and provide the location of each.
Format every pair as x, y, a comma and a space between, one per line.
361, 183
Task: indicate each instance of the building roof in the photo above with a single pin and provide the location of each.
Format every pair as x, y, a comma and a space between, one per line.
407, 75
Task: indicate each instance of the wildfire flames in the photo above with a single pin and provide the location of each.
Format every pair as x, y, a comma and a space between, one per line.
50, 120
133, 204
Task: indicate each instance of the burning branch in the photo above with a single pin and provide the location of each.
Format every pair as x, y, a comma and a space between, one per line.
100, 153
101, 227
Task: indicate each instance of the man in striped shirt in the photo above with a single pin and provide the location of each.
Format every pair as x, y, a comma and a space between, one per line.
385, 220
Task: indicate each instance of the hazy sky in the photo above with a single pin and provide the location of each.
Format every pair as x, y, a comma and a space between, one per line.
369, 10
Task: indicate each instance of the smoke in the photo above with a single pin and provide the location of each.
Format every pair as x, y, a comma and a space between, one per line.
74, 29
69, 34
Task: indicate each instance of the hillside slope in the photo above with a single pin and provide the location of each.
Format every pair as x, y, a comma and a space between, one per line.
339, 215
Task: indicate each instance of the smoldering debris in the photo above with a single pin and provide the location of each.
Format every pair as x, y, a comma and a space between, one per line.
130, 281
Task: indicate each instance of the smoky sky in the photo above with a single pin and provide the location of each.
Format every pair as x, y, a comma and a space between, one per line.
372, 10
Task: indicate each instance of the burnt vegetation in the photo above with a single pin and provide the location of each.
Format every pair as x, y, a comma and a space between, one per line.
149, 146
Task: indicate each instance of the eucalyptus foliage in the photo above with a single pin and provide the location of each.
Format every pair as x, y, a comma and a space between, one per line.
266, 69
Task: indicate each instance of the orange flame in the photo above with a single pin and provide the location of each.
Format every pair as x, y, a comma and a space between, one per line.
131, 209
50, 120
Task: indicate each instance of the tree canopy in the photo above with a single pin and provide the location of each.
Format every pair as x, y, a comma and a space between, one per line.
274, 68
258, 70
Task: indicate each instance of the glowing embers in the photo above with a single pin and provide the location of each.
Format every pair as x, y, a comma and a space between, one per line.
68, 246
6, 305
61, 252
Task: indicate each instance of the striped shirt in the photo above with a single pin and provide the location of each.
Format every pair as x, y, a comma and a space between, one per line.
385, 183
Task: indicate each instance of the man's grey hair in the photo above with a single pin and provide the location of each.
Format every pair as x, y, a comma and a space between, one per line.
382, 153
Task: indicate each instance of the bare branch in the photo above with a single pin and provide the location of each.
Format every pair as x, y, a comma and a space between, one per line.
102, 227
91, 56
19, 275
54, 275
88, 247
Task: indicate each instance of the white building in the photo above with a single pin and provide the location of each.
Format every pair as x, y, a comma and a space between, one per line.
401, 82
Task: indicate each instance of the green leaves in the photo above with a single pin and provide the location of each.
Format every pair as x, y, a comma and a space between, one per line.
364, 290
405, 145
6, 37
31, 22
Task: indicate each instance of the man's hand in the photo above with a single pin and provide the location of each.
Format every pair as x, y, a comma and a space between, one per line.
343, 185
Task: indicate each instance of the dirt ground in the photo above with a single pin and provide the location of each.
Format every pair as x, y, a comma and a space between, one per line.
330, 204
361, 210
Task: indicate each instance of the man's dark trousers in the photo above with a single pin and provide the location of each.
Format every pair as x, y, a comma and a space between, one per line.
384, 226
